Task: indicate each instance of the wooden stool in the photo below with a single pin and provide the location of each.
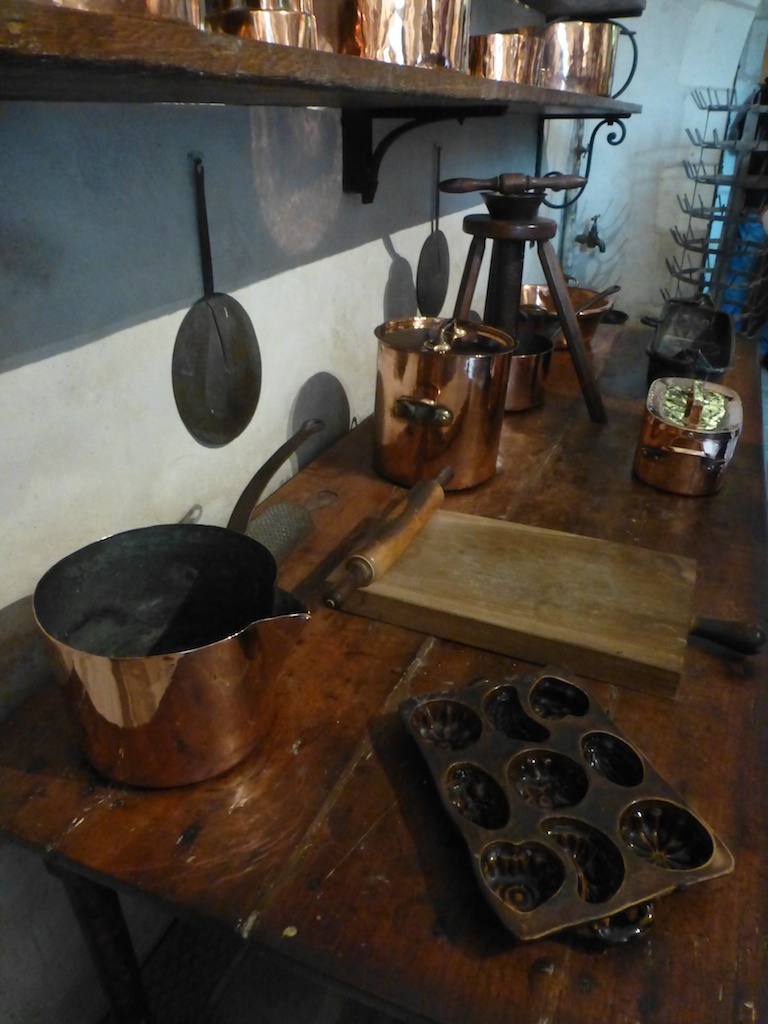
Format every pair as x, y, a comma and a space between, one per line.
505, 280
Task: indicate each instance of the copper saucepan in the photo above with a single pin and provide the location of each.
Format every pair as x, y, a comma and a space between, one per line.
167, 639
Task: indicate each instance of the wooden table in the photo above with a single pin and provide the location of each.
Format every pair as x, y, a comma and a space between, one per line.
328, 846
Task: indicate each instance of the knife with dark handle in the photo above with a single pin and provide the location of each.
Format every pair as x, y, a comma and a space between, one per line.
740, 637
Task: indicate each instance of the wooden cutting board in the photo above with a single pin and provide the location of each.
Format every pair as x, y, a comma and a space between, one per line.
609, 611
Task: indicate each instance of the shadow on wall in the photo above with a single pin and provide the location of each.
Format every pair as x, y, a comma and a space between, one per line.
97, 210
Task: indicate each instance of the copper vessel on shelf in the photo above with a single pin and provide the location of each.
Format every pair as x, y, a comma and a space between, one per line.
512, 56
421, 33
579, 56
285, 26
187, 11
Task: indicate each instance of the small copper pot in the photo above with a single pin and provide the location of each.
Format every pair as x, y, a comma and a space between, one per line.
528, 372
688, 436
440, 392
507, 56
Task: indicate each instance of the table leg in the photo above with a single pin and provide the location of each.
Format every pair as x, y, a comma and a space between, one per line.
100, 916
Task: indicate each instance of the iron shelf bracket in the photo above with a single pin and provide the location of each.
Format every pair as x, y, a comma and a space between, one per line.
612, 138
361, 162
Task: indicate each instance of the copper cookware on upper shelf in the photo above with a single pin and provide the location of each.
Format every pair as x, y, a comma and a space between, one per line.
575, 56
513, 56
282, 24
421, 33
171, 10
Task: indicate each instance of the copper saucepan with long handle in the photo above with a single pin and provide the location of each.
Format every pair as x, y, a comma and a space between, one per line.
167, 640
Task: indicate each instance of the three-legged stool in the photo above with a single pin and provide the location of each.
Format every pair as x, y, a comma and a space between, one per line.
509, 237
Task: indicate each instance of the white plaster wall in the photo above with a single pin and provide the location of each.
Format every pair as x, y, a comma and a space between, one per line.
633, 188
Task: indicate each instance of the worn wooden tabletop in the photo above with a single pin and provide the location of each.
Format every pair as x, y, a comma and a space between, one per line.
329, 846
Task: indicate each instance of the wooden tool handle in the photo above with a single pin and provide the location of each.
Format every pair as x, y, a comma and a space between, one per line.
512, 184
740, 637
390, 539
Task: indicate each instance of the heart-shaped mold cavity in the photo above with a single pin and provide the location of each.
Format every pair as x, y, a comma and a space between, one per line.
477, 795
448, 724
556, 698
506, 715
667, 835
599, 865
547, 779
612, 758
522, 877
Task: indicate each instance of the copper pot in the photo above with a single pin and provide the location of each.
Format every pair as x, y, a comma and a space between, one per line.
166, 639
288, 27
440, 392
688, 436
421, 33
187, 11
528, 372
580, 56
507, 56
538, 307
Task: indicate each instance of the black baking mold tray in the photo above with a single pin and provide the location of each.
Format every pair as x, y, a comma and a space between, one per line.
566, 821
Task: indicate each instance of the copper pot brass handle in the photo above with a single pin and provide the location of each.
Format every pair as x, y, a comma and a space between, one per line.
423, 411
513, 184
390, 539
740, 637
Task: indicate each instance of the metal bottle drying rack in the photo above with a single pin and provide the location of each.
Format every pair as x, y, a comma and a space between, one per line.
730, 185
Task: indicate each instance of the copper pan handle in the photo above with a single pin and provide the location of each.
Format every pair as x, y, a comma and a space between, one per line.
512, 184
390, 539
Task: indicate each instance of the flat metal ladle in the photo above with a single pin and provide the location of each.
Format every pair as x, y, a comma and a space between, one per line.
216, 366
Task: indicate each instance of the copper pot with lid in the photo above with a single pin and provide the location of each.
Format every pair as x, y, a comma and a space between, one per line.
688, 436
440, 392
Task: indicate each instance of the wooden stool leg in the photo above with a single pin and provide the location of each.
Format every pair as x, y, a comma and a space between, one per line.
559, 292
469, 278
505, 281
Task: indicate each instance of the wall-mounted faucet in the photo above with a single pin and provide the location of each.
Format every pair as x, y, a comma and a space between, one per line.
592, 240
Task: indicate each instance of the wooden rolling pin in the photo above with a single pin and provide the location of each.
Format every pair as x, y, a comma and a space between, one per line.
388, 542
513, 184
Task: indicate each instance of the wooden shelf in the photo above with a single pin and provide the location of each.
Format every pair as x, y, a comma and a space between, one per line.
582, 9
59, 54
